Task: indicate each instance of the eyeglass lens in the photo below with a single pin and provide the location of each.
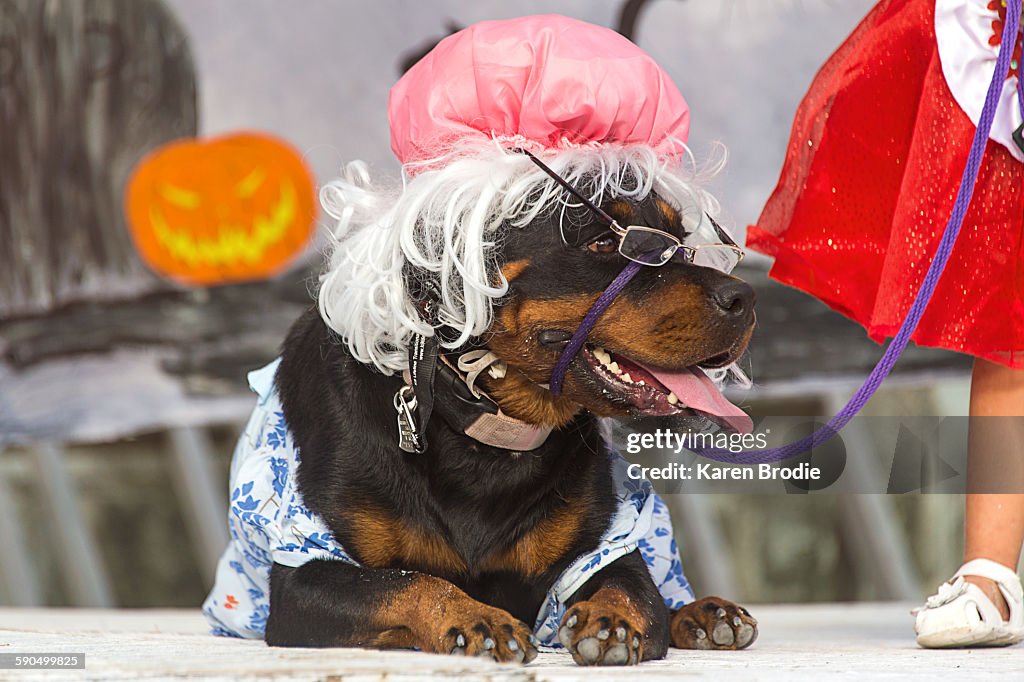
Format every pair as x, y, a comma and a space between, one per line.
717, 256
647, 247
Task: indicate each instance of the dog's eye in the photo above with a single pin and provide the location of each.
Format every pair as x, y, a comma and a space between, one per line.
606, 243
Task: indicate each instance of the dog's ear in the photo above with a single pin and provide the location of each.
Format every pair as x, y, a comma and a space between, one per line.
423, 289
416, 286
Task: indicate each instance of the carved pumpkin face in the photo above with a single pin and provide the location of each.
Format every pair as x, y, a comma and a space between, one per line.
229, 209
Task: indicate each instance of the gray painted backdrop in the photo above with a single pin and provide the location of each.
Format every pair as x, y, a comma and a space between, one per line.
317, 72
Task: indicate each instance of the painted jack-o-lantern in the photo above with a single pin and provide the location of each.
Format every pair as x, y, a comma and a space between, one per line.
229, 209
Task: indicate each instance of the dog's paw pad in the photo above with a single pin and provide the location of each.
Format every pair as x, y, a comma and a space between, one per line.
589, 649
713, 623
722, 635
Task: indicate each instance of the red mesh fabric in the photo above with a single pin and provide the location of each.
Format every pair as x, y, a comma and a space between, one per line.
871, 174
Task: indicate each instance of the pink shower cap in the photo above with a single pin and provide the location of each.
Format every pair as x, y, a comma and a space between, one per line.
544, 82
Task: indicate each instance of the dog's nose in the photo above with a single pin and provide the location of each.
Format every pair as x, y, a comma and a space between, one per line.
735, 299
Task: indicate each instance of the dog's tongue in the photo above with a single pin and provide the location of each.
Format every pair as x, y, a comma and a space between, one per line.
696, 390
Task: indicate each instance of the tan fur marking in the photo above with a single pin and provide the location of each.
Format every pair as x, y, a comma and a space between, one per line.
621, 604
621, 210
416, 615
382, 541
395, 638
542, 545
668, 212
522, 398
514, 269
427, 613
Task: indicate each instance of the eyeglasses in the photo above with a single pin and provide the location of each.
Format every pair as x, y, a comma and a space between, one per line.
650, 246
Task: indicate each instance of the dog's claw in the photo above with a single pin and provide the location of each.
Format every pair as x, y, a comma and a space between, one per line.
565, 636
699, 638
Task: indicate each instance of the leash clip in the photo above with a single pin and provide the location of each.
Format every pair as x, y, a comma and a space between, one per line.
408, 434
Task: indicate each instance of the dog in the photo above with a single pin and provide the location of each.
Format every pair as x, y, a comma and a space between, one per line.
455, 302
460, 547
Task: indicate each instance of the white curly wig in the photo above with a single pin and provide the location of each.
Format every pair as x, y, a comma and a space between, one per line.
447, 219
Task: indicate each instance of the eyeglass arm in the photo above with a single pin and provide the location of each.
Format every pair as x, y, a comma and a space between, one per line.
722, 234
607, 219
600, 213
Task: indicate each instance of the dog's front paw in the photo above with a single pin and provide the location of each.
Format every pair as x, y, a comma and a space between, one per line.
713, 623
487, 632
603, 630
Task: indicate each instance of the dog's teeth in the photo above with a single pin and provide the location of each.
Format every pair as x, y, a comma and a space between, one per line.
602, 355
641, 383
625, 377
615, 368
672, 399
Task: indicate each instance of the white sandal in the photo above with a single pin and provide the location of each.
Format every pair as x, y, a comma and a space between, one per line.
960, 615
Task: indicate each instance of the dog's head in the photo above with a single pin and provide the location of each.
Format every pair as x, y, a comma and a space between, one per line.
646, 355
516, 266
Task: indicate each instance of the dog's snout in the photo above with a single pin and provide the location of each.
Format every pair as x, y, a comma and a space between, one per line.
735, 299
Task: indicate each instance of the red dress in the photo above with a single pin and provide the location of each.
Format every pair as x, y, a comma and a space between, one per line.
874, 162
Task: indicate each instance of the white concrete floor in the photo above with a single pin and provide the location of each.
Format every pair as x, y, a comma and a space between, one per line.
821, 642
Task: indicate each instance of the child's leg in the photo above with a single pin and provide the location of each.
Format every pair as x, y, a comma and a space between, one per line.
994, 523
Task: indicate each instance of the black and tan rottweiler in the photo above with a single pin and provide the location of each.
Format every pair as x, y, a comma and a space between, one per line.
459, 545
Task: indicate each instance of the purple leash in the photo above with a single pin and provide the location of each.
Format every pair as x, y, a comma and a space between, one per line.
589, 320
924, 295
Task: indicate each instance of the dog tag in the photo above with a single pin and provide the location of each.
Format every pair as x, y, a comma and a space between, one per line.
408, 436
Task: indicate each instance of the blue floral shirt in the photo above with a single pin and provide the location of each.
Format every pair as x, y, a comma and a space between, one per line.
270, 523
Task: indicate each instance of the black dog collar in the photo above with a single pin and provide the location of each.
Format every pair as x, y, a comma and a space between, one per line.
432, 384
